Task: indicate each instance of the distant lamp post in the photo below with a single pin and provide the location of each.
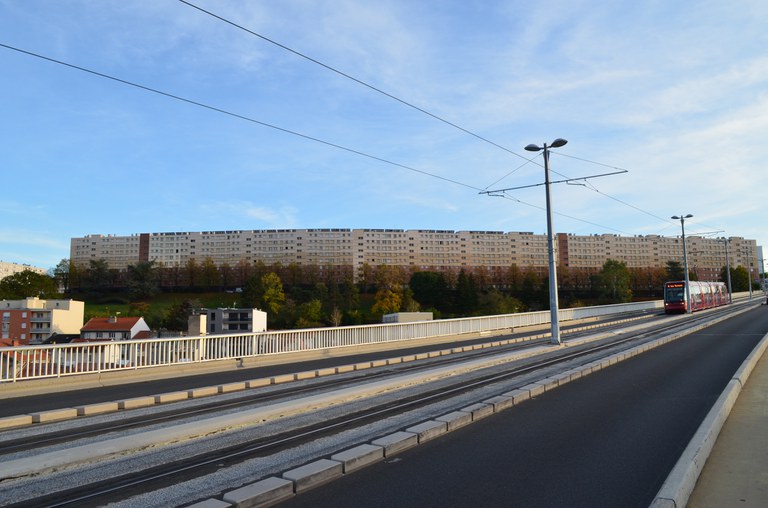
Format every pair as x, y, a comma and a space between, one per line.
682, 218
728, 271
553, 311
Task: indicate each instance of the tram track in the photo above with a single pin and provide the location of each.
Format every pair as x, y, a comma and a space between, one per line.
193, 466
210, 405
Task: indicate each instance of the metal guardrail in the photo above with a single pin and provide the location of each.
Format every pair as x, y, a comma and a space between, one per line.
57, 360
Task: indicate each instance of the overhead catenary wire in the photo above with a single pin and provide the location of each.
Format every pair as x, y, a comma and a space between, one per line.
235, 115
350, 77
411, 105
265, 124
284, 130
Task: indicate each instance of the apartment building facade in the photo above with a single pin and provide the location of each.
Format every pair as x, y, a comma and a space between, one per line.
7, 269
413, 249
32, 320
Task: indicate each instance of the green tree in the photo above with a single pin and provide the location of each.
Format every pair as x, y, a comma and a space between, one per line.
60, 273
192, 272
429, 289
210, 273
495, 302
310, 314
739, 278
265, 292
273, 296
466, 293
26, 284
98, 276
177, 315
143, 280
613, 282
675, 270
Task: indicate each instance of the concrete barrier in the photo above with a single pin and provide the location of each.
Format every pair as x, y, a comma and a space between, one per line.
54, 415
95, 409
314, 474
396, 442
359, 457
262, 493
428, 430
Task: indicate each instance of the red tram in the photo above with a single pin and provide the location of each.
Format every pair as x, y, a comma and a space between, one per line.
704, 295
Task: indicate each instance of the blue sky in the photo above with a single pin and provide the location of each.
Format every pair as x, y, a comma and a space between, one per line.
676, 93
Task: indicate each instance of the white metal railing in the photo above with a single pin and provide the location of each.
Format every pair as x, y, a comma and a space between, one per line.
56, 360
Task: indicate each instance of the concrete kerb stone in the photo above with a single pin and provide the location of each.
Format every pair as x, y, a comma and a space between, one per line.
308, 374
15, 421
164, 398
232, 387
428, 430
535, 389
95, 409
550, 383
479, 410
519, 395
256, 383
54, 415
455, 419
396, 442
284, 378
359, 457
266, 492
677, 489
211, 503
136, 402
325, 372
314, 474
500, 403
204, 391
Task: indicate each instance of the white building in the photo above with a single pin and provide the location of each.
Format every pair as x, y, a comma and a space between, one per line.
220, 321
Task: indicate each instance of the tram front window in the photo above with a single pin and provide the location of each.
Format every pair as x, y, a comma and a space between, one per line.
675, 295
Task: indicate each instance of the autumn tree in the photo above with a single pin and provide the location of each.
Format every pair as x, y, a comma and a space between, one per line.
386, 301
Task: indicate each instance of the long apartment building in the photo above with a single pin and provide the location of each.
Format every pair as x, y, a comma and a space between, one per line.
420, 249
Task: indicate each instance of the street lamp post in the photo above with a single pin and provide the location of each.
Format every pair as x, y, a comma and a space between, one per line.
728, 270
553, 310
685, 262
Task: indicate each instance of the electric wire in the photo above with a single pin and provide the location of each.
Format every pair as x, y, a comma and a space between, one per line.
352, 78
265, 124
312, 138
236, 115
413, 106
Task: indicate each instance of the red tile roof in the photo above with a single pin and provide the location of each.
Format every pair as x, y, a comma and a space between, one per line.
110, 324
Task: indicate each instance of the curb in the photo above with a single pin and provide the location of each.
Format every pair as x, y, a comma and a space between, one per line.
681, 481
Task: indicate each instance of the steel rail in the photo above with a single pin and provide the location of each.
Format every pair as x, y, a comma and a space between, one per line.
94, 495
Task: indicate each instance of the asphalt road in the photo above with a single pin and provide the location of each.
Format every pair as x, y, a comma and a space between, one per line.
609, 439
